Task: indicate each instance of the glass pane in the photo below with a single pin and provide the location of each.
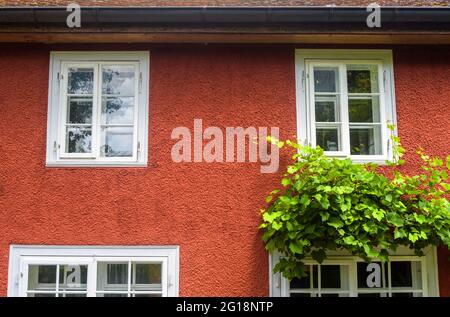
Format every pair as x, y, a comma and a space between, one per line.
72, 277
301, 295
362, 78
79, 110
112, 277
118, 110
72, 295
112, 295
146, 295
401, 274
370, 295
370, 275
80, 80
365, 140
305, 282
78, 140
364, 109
328, 139
117, 141
327, 109
334, 276
42, 277
148, 273
402, 295
326, 79
41, 295
117, 274
118, 80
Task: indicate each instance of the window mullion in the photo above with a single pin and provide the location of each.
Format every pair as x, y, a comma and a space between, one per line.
389, 279
91, 286
345, 126
129, 279
57, 280
96, 128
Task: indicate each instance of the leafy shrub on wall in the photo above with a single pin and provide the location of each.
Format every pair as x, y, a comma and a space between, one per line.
336, 204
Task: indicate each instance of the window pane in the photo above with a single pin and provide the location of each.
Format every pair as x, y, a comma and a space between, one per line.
112, 295
327, 109
40, 295
117, 273
79, 110
72, 295
147, 273
334, 276
364, 109
42, 277
301, 295
78, 140
362, 78
365, 140
117, 141
370, 275
305, 282
326, 79
118, 110
112, 277
80, 80
118, 80
328, 139
401, 274
72, 277
147, 295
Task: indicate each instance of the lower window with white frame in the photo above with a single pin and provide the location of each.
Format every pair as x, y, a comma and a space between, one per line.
37, 271
342, 276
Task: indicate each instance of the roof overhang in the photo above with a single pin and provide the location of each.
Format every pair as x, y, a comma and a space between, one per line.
399, 25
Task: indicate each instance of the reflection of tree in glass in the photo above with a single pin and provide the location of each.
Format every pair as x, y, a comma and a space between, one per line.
79, 140
80, 110
80, 80
359, 81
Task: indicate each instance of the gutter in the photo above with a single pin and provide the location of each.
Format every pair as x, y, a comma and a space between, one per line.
318, 25
235, 16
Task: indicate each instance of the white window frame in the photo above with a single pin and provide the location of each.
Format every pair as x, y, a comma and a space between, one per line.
59, 62
279, 285
21, 256
304, 90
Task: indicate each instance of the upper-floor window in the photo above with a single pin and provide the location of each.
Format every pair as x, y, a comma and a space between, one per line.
345, 101
98, 108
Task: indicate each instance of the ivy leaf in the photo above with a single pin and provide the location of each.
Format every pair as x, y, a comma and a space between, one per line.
398, 234
395, 219
335, 222
413, 237
296, 248
370, 252
305, 200
319, 255
350, 240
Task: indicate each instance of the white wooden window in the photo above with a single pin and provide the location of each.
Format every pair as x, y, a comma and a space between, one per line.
93, 271
346, 276
345, 100
98, 109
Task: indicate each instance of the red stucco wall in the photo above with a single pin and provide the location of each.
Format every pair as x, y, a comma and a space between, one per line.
210, 210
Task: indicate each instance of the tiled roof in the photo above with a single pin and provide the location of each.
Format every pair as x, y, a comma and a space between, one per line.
241, 3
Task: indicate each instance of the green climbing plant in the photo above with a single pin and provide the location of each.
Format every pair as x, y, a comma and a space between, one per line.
335, 204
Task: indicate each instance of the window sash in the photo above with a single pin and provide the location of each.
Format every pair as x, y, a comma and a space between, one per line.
96, 124
92, 267
343, 97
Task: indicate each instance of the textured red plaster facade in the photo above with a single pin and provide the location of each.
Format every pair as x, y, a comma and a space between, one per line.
210, 210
